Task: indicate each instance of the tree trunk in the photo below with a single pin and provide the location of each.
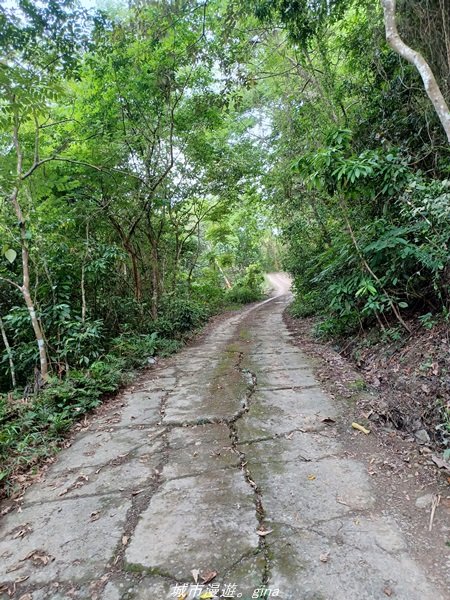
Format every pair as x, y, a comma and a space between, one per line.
83, 277
9, 354
25, 287
135, 270
415, 58
156, 283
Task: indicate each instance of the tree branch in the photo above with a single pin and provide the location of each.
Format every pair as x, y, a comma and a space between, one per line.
415, 58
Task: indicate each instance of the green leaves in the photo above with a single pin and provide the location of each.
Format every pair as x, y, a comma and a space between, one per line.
10, 255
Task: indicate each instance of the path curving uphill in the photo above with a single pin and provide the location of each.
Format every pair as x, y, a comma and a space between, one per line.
218, 460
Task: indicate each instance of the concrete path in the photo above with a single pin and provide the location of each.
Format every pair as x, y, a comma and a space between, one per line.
220, 462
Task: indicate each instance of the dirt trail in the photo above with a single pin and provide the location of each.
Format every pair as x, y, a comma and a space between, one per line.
218, 460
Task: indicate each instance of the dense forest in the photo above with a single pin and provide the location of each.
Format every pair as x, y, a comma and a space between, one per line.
157, 157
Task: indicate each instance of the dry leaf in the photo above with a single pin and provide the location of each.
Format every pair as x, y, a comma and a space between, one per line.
23, 531
182, 597
95, 515
195, 574
124, 540
38, 556
441, 463
207, 596
263, 532
14, 568
340, 501
26, 597
324, 557
136, 492
328, 421
387, 590
360, 428
311, 477
208, 576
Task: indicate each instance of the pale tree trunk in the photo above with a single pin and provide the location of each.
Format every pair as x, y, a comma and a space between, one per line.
415, 58
225, 278
83, 277
9, 354
25, 287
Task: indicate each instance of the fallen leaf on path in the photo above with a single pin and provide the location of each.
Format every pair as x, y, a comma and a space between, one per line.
440, 462
182, 597
264, 532
311, 477
195, 574
208, 576
22, 531
360, 428
324, 557
38, 556
124, 540
387, 591
136, 492
21, 579
26, 597
340, 501
434, 505
95, 515
328, 421
207, 596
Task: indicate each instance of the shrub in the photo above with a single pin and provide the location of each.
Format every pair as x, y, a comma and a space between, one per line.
178, 316
240, 294
134, 350
247, 288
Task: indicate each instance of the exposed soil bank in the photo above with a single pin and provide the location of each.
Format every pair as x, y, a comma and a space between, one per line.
408, 376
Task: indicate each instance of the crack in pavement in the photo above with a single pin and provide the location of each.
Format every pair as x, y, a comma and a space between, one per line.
258, 499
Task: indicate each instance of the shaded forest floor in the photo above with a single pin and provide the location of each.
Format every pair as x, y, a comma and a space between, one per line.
401, 387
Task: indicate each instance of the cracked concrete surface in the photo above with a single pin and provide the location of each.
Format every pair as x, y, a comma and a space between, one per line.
223, 443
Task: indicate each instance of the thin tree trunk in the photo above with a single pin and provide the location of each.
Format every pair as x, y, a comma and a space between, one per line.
225, 278
197, 254
9, 354
83, 273
135, 271
415, 58
25, 287
367, 267
156, 284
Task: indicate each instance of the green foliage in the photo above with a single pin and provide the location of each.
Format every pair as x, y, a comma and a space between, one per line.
81, 342
247, 288
135, 350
